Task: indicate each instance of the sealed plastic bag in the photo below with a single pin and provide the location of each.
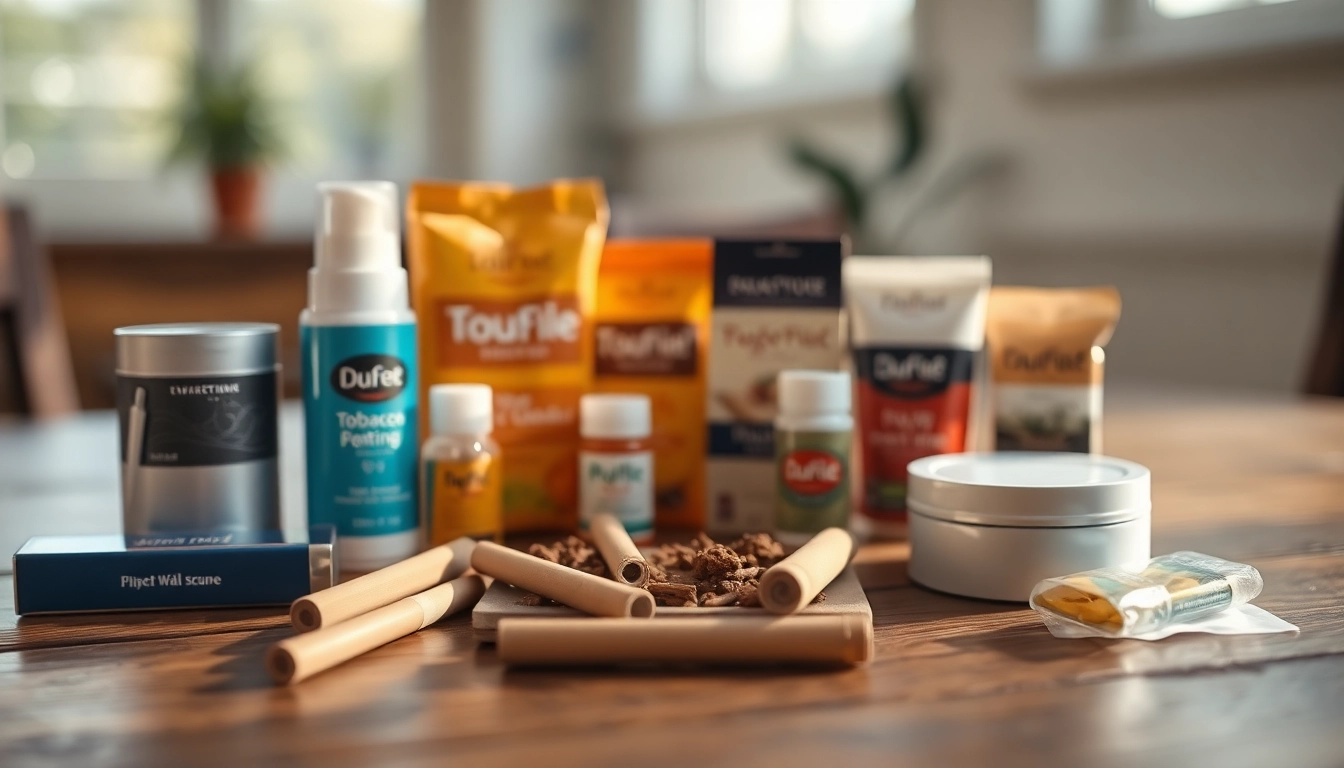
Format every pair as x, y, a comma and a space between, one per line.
1180, 592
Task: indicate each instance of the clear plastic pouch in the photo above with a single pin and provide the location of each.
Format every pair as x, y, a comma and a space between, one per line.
1170, 594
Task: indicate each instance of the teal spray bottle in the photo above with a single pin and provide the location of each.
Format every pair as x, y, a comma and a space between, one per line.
359, 378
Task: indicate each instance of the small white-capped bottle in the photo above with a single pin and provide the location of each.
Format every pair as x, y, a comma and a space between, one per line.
616, 462
461, 492
813, 433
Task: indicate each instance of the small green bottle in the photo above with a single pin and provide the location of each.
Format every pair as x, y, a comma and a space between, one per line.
813, 434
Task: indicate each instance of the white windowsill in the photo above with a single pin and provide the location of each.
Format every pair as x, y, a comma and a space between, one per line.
708, 108
1313, 39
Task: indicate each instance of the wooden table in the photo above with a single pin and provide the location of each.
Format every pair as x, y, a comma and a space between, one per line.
955, 682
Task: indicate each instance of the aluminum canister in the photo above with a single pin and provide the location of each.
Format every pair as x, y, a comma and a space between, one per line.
993, 525
198, 405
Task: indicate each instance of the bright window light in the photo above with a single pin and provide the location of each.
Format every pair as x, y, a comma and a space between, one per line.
753, 43
746, 41
85, 84
1184, 9
88, 88
837, 27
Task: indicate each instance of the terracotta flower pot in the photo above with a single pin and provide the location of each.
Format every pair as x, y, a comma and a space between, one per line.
237, 196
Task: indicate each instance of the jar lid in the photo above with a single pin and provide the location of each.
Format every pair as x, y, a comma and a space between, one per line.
1032, 490
461, 409
614, 417
196, 349
813, 393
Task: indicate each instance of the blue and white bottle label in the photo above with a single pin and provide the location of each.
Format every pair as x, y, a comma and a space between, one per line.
359, 398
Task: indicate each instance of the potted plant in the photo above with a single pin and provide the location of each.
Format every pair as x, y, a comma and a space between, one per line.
226, 122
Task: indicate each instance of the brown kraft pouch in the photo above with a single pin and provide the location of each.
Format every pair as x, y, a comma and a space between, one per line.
1045, 347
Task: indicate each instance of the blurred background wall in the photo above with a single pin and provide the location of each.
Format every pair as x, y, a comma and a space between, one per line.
1189, 151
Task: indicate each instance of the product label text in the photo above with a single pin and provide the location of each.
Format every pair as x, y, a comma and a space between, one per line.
542, 330
646, 349
169, 580
371, 430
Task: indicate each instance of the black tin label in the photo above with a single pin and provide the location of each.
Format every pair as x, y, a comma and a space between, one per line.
200, 421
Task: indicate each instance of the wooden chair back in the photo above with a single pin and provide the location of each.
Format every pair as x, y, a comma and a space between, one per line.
32, 333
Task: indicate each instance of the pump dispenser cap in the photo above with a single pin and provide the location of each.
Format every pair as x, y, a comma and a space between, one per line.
614, 417
357, 260
814, 393
461, 409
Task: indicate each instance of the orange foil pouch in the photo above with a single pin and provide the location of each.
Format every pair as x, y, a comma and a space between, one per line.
653, 304
502, 282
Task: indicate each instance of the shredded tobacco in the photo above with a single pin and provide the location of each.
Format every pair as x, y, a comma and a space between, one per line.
703, 573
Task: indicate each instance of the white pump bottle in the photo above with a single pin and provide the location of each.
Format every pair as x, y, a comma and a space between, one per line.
360, 386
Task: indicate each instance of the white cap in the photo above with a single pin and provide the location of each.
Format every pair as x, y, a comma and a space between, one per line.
614, 417
1027, 489
357, 251
461, 409
809, 393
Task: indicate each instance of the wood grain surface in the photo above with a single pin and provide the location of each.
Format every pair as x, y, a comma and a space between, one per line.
955, 681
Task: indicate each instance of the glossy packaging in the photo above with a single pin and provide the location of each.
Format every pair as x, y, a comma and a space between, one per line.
1046, 366
71, 574
652, 336
360, 383
776, 306
1144, 597
916, 326
198, 409
359, 399
503, 282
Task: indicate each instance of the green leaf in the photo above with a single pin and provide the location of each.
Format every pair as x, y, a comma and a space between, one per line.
950, 182
225, 120
846, 189
908, 109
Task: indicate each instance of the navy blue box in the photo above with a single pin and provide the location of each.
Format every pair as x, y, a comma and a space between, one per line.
74, 574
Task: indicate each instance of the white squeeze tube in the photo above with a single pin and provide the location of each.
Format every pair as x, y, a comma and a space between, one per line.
359, 379
916, 328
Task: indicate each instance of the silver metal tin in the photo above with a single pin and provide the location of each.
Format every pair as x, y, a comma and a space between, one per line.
199, 410
196, 349
992, 525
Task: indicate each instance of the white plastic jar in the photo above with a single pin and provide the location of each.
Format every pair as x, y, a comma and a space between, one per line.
992, 525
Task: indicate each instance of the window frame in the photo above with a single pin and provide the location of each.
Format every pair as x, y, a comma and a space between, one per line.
1102, 37
693, 97
172, 205
218, 39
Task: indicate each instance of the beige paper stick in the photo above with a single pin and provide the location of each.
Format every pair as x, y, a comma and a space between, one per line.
302, 656
584, 591
623, 558
382, 587
792, 583
827, 639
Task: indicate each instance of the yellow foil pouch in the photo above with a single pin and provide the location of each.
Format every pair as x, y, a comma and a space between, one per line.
502, 283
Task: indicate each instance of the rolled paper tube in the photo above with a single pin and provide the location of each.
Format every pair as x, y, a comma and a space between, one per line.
623, 558
829, 639
303, 656
792, 583
584, 591
382, 587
